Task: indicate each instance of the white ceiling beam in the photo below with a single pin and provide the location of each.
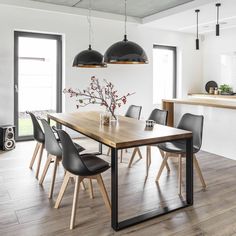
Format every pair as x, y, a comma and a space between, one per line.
175, 10
67, 10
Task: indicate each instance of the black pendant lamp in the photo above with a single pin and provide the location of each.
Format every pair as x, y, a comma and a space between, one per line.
125, 52
217, 20
89, 58
197, 39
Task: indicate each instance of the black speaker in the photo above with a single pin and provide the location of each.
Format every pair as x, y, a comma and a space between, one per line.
7, 137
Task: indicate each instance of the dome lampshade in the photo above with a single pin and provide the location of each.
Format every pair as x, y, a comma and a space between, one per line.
125, 52
89, 59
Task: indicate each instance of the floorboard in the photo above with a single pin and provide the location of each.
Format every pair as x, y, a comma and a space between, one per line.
26, 210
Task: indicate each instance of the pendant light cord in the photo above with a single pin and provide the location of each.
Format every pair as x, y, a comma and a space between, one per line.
197, 11
90, 23
76, 3
218, 10
125, 39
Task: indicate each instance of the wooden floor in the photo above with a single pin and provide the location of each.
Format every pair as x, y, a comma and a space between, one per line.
25, 208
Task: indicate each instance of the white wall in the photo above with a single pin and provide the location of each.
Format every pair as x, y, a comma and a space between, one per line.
213, 48
131, 78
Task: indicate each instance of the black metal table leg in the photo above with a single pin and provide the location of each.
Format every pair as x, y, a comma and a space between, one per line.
116, 225
189, 171
114, 189
100, 148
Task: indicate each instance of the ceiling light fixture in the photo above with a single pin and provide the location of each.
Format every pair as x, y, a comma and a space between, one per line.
89, 58
125, 52
217, 20
197, 39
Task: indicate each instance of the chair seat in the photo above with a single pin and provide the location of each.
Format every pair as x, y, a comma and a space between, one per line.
94, 164
175, 147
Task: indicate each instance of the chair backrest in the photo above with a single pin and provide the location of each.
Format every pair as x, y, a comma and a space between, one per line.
159, 116
193, 123
51, 143
37, 130
134, 112
71, 159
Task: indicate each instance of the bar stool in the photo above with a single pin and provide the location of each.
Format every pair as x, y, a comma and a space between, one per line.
80, 167
54, 154
193, 123
40, 140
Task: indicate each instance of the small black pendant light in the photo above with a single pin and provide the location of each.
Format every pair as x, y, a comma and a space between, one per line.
217, 20
197, 39
89, 58
125, 52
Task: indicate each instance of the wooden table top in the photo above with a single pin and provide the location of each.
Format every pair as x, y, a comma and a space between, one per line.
126, 133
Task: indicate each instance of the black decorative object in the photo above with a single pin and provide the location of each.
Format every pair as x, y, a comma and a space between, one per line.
217, 20
125, 52
89, 58
197, 39
210, 84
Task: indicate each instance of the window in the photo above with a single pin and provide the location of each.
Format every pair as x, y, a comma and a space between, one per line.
164, 73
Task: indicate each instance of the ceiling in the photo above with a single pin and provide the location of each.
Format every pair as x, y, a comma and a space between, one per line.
185, 21
135, 8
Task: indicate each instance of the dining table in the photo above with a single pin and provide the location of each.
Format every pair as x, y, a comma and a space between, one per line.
125, 133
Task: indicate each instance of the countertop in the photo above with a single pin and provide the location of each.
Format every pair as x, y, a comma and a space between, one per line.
210, 102
207, 95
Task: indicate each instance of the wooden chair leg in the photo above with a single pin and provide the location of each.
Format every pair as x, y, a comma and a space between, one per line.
104, 192
45, 170
39, 160
139, 153
121, 155
180, 174
148, 159
163, 164
62, 190
91, 189
163, 155
34, 155
132, 157
108, 151
56, 161
83, 185
78, 180
198, 170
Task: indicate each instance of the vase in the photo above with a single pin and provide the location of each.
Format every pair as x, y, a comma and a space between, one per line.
105, 118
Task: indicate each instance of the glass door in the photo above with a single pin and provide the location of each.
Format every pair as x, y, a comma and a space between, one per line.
164, 73
38, 78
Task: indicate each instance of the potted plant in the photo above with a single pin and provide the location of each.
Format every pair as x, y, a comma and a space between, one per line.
225, 89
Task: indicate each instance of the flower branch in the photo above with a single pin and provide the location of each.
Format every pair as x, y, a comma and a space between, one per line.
104, 95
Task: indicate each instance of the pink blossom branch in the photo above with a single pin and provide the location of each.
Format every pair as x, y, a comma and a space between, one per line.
97, 94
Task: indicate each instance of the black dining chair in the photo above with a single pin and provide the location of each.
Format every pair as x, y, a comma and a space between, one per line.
132, 112
79, 167
40, 143
52, 146
193, 123
159, 117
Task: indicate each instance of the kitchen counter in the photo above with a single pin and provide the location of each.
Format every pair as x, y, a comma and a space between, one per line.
207, 95
219, 133
209, 102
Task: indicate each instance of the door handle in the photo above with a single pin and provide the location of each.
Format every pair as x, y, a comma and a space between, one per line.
16, 88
